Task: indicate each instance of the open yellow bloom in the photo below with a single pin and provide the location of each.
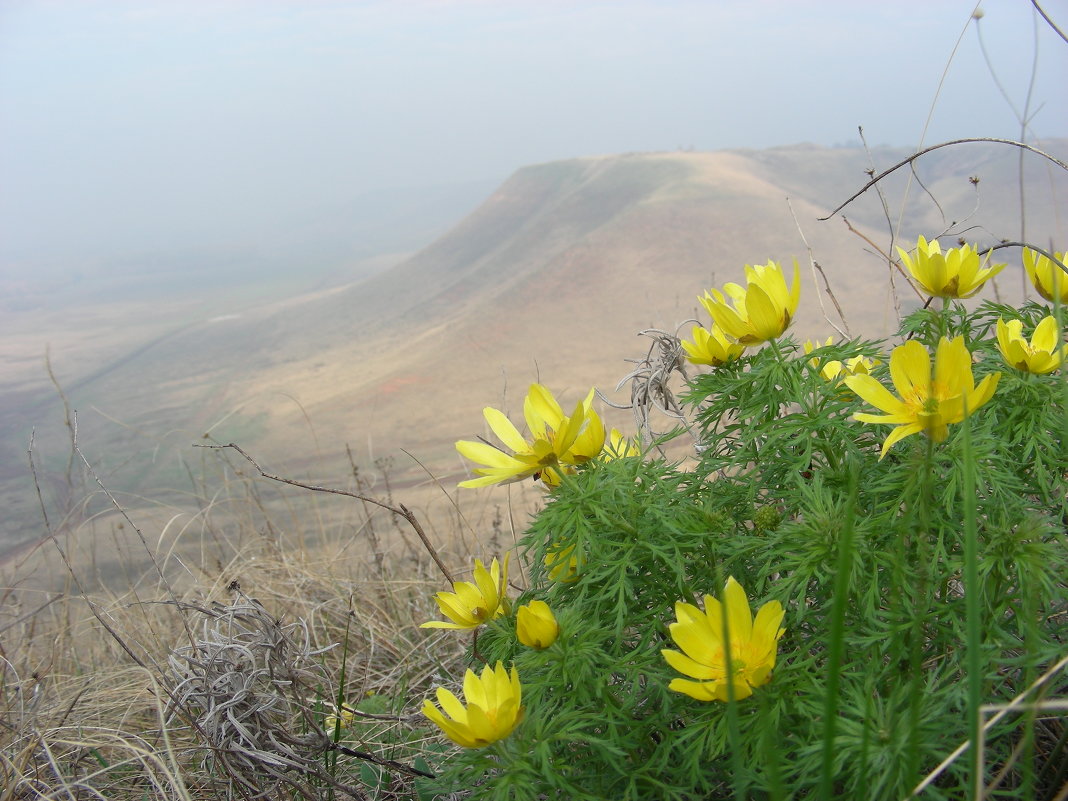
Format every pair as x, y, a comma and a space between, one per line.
761, 311
702, 638
956, 273
470, 605
1049, 279
492, 712
929, 402
557, 441
1043, 354
711, 347
536, 626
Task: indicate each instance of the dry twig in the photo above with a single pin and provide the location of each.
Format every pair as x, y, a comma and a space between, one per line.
400, 509
650, 387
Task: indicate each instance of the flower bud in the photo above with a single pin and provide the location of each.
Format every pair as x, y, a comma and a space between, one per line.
536, 626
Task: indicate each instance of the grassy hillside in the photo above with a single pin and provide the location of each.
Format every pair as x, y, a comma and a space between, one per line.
550, 278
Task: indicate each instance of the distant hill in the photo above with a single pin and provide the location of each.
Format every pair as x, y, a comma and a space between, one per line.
548, 279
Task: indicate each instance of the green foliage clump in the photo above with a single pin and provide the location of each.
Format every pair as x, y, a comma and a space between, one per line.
916, 588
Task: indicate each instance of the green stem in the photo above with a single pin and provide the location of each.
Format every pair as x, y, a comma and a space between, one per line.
972, 611
923, 600
943, 321
836, 644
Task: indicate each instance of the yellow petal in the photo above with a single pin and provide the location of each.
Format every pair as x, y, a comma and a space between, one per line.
713, 620
570, 428
482, 453
451, 704
701, 691
1006, 332
503, 428
910, 369
688, 613
541, 410
487, 582
899, 434
875, 394
690, 667
768, 622
795, 295
442, 624
1045, 336
765, 315
983, 392
953, 366
474, 689
739, 616
760, 675
698, 641
493, 477
730, 321
433, 713
589, 444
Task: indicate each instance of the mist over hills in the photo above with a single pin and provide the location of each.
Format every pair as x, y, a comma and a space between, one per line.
324, 245
548, 279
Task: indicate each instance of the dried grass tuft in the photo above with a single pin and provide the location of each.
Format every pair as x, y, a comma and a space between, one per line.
246, 687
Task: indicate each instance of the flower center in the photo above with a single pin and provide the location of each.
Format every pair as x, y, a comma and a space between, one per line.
925, 403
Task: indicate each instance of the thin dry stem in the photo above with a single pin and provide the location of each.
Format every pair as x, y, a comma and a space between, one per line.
400, 509
927, 150
815, 267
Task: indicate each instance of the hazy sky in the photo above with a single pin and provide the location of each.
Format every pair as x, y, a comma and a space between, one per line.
139, 124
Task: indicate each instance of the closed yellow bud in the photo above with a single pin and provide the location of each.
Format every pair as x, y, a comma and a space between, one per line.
536, 626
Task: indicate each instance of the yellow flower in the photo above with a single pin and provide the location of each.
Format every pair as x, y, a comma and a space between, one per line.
955, 274
701, 637
563, 564
1049, 279
557, 441
469, 605
493, 708
536, 626
928, 403
1041, 355
546, 420
711, 347
761, 311
810, 346
340, 717
619, 447
836, 370
858, 365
